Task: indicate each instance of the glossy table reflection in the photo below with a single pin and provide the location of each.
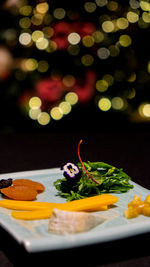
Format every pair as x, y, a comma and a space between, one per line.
31, 151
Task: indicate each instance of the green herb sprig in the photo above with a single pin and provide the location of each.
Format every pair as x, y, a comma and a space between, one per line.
96, 178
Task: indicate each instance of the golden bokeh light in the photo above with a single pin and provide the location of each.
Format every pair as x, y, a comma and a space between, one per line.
42, 43
37, 19
74, 38
144, 110
88, 41
104, 104
90, 6
43, 118
35, 102
52, 47
37, 35
71, 98
25, 23
68, 80
30, 64
117, 103
101, 85
59, 13
43, 66
42, 8
98, 36
145, 5
112, 5
132, 77
56, 113
48, 32
125, 40
65, 107
101, 3
73, 50
148, 67
87, 60
146, 17
122, 23
109, 79
130, 94
26, 10
34, 113
108, 26
132, 17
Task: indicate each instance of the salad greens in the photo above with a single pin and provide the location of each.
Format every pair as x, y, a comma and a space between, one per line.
93, 178
109, 180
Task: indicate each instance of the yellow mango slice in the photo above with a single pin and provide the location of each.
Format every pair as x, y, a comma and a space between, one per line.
95, 203
27, 205
43, 213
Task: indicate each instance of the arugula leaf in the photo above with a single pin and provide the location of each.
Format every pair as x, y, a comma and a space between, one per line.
108, 179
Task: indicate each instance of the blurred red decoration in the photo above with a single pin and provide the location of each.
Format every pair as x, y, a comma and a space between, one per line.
63, 29
52, 90
86, 90
49, 90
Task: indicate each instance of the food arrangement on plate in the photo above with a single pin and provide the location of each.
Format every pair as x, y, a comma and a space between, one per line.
88, 188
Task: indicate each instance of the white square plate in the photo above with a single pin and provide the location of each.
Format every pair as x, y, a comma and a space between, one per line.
35, 237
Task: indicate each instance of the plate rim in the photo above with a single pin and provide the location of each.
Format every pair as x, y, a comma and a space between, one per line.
32, 244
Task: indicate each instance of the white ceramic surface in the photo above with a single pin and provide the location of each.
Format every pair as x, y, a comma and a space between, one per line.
35, 237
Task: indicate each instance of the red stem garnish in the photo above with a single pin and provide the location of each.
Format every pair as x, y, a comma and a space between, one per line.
83, 164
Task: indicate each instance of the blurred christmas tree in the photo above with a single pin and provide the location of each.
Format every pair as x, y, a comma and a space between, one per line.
61, 62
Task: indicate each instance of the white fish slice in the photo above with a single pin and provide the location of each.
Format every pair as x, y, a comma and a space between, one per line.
70, 222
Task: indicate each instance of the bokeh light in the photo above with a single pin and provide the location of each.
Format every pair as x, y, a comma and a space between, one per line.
65, 107
103, 53
37, 35
34, 113
88, 41
71, 98
43, 66
25, 38
59, 13
117, 103
87, 60
42, 8
43, 118
125, 40
104, 104
42, 43
74, 38
97, 47
35, 102
108, 26
144, 110
90, 7
98, 36
101, 85
56, 113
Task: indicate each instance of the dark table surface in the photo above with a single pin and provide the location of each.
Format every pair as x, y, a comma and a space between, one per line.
128, 149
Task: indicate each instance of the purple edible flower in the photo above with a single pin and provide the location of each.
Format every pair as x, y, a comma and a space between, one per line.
71, 170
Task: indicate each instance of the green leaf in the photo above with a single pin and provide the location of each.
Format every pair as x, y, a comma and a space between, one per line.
109, 180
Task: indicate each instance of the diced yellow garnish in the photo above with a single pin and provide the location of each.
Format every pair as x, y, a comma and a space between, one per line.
131, 213
147, 199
